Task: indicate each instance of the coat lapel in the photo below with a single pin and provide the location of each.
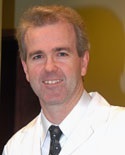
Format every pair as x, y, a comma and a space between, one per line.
79, 136
31, 144
94, 122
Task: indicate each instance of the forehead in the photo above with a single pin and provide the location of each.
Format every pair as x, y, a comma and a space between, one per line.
45, 38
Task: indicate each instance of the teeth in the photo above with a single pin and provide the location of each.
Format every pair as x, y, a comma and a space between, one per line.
52, 82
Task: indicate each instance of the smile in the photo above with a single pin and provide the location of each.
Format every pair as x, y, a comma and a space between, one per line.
52, 81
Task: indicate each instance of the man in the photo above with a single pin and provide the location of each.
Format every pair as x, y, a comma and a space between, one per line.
54, 52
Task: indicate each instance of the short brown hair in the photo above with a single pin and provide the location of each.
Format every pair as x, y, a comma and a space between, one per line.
42, 15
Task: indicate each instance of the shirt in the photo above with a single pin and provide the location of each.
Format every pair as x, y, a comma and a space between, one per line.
68, 125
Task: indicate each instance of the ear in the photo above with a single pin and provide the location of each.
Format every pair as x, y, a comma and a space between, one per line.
84, 63
25, 68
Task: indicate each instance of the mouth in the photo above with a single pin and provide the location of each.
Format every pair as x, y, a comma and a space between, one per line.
52, 82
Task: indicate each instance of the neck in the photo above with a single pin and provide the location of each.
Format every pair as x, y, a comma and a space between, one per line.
57, 113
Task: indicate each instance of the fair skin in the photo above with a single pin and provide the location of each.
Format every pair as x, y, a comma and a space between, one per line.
54, 68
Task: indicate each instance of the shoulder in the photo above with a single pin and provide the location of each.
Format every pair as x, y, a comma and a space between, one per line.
99, 101
22, 136
103, 109
117, 115
28, 128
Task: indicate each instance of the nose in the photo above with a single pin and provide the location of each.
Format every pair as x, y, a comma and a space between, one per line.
50, 65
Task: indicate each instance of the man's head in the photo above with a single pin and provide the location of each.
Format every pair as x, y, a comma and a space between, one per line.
54, 54
46, 15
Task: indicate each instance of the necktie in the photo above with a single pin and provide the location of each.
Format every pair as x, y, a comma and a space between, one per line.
55, 134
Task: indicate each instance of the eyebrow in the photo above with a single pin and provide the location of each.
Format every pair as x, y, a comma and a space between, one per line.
57, 49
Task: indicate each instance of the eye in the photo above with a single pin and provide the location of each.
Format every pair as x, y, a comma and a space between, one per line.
36, 57
62, 54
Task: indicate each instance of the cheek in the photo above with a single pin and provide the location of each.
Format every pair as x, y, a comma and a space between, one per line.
73, 72
33, 73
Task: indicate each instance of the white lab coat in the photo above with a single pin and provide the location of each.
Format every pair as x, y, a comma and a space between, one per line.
100, 132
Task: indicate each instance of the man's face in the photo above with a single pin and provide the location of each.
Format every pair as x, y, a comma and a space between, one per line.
53, 66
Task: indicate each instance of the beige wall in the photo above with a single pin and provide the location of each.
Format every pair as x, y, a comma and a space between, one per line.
107, 54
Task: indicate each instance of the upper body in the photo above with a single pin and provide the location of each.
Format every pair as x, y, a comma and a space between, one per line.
100, 130
55, 54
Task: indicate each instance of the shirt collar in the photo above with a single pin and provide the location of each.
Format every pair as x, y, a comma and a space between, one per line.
45, 123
